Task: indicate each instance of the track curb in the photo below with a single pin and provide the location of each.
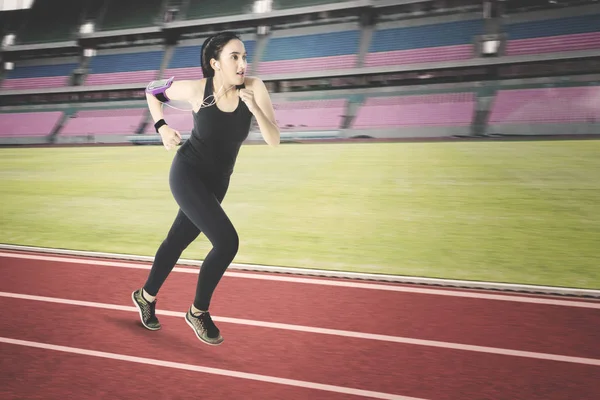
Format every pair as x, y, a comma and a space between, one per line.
414, 280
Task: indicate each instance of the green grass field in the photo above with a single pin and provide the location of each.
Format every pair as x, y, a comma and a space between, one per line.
524, 212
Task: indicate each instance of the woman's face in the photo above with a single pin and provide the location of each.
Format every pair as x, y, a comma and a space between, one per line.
232, 62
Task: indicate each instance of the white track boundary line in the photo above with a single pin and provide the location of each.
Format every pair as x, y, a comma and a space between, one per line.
326, 282
324, 331
208, 370
564, 291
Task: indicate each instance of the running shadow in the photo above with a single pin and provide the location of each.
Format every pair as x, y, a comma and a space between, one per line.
134, 326
166, 338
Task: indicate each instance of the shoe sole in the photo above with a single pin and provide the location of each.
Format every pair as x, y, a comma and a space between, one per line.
199, 338
135, 303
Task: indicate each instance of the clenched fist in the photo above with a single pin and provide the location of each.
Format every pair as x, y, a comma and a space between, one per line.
170, 137
247, 96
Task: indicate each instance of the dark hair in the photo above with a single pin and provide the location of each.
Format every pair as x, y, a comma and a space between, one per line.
212, 47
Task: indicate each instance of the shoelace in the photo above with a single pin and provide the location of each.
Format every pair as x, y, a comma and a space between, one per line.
149, 312
207, 324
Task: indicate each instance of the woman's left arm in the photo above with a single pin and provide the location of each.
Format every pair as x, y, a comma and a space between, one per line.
259, 104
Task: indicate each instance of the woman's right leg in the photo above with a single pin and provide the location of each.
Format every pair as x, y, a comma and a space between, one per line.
201, 203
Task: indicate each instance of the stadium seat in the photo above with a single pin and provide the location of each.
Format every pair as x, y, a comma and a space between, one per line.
446, 109
38, 76
447, 41
114, 69
28, 123
553, 35
547, 105
310, 52
115, 121
310, 114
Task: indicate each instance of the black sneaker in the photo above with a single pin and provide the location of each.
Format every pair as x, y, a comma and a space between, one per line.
204, 328
147, 310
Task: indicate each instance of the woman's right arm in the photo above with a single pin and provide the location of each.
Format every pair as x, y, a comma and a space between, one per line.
179, 91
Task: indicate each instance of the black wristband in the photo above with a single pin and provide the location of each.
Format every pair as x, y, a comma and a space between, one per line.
159, 123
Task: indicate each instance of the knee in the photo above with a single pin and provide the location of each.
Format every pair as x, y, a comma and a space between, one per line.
228, 245
176, 243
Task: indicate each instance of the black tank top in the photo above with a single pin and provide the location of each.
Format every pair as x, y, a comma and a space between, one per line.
217, 136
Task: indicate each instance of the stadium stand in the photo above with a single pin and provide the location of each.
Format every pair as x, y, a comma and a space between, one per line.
51, 73
393, 44
444, 109
546, 110
548, 106
111, 67
28, 124
301, 51
577, 104
121, 121
325, 114
553, 35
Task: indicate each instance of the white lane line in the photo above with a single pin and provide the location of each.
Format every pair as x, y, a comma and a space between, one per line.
326, 282
323, 331
209, 370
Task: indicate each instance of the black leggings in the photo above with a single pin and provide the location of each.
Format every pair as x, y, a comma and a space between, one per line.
200, 210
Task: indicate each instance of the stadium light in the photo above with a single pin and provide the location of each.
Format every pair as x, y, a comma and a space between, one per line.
490, 47
9, 5
263, 6
9, 66
88, 27
8, 40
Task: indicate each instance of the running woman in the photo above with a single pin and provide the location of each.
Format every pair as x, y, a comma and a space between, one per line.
223, 104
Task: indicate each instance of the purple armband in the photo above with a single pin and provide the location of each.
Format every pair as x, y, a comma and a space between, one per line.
159, 88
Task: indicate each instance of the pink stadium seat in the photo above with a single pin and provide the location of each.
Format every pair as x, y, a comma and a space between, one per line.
307, 64
416, 56
454, 109
553, 44
547, 105
28, 124
35, 83
117, 78
104, 122
310, 114
183, 73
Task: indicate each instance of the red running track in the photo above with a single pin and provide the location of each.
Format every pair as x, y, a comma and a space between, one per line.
370, 342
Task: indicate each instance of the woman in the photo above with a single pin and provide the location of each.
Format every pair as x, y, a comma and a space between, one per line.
223, 104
